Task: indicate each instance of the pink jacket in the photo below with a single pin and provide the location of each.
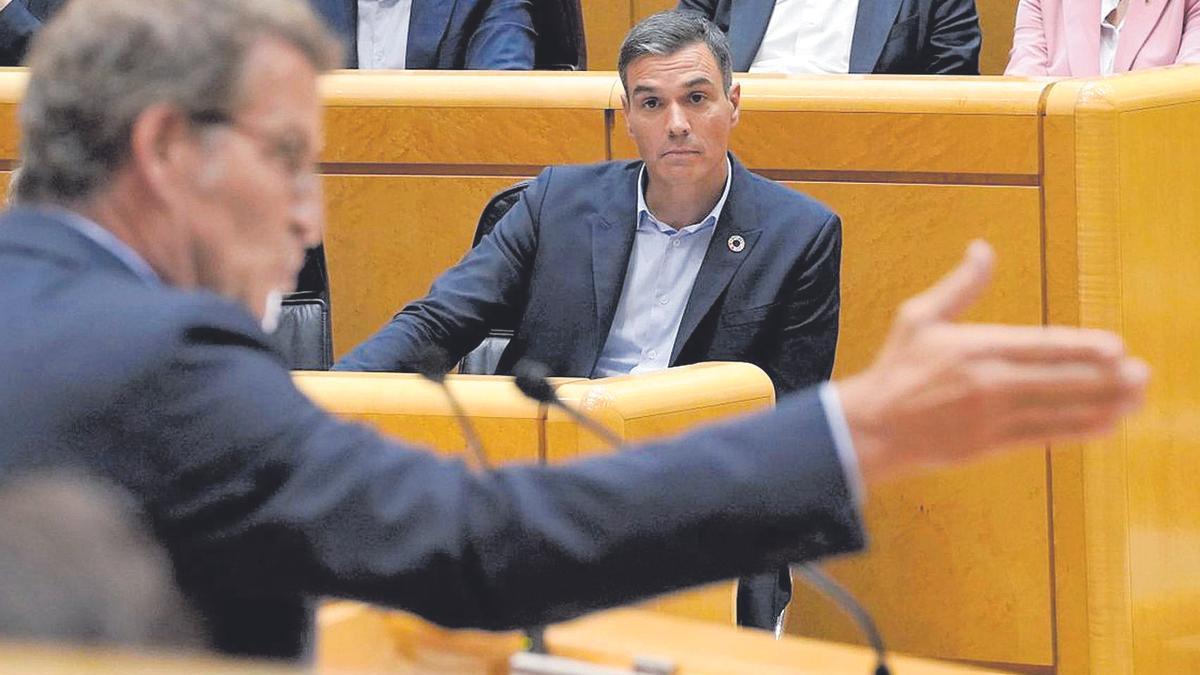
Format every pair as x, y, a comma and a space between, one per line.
1062, 37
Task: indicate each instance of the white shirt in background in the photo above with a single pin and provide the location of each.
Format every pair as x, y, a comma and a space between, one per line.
808, 36
1109, 36
383, 33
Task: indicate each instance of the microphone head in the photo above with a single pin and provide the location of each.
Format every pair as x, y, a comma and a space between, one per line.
532, 379
431, 363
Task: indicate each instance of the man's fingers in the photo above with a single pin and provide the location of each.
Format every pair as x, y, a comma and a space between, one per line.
1045, 425
1025, 386
1050, 344
955, 292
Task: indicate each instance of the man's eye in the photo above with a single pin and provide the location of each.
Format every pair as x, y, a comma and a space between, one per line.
697, 97
650, 103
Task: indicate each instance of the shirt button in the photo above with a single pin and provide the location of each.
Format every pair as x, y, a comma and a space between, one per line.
675, 243
662, 300
653, 353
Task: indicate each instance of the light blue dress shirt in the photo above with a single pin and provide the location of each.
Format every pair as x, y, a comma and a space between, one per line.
383, 33
109, 242
662, 269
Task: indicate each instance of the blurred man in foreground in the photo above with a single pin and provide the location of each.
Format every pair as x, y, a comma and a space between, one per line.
169, 192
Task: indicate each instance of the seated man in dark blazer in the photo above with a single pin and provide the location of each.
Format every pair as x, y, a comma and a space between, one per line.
906, 37
19, 21
626, 267
433, 34
145, 263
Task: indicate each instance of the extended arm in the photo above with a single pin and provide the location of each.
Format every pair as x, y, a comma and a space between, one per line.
1189, 48
505, 39
289, 500
1030, 55
954, 39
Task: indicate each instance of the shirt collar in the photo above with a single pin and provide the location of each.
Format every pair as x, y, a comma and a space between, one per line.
109, 242
710, 220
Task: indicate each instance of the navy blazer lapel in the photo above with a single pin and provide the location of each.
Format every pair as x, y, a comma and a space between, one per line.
748, 21
871, 29
341, 17
427, 26
739, 217
612, 242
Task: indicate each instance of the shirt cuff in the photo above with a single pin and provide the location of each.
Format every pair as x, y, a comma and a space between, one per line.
842, 441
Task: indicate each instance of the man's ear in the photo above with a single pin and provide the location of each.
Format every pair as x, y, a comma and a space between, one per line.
625, 107
735, 98
162, 148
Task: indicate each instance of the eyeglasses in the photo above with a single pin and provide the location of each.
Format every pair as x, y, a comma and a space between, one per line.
290, 153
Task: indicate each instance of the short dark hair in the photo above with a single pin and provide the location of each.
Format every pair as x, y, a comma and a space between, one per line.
667, 32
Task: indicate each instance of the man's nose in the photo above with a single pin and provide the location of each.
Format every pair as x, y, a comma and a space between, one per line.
308, 212
677, 121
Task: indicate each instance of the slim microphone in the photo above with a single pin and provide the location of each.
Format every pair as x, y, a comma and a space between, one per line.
845, 601
532, 379
431, 365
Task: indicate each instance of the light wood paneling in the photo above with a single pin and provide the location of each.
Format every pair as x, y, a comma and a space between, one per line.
707, 649
1136, 162
944, 130
605, 23
389, 237
979, 535
996, 21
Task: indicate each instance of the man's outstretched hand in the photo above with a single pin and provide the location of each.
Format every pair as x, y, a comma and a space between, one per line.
942, 393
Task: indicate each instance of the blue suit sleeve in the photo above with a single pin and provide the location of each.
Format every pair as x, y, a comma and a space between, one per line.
17, 27
261, 490
954, 39
505, 39
486, 288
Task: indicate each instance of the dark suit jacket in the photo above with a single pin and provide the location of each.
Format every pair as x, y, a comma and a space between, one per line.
266, 502
18, 23
554, 266
915, 37
450, 34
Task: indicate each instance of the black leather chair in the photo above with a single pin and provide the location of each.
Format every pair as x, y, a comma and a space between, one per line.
561, 44
304, 336
483, 359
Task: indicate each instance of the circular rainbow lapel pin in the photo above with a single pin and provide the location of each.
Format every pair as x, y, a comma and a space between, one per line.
736, 243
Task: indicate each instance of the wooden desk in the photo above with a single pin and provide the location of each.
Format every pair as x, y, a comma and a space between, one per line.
356, 637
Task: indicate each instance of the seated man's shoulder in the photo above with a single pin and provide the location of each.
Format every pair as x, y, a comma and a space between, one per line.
589, 173
778, 201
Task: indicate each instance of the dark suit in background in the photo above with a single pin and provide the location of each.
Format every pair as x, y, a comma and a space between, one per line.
266, 503
450, 34
18, 24
554, 266
914, 37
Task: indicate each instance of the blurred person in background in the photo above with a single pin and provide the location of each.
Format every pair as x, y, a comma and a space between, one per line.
1084, 38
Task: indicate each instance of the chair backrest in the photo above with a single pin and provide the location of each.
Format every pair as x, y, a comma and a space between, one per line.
497, 206
304, 336
561, 44
483, 359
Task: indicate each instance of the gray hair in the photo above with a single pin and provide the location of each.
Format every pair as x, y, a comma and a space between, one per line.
667, 32
99, 64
